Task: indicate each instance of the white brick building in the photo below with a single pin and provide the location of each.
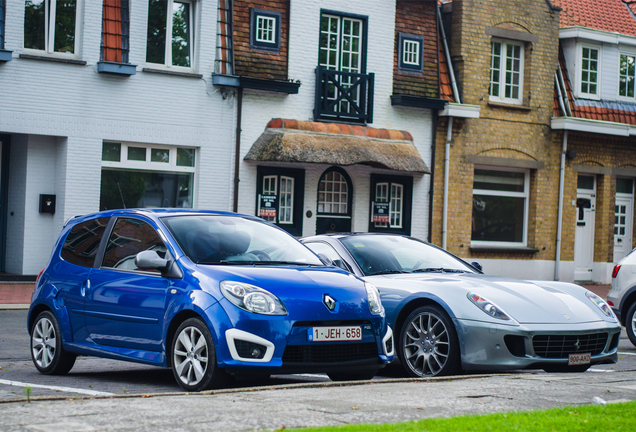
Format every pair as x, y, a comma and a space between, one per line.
89, 112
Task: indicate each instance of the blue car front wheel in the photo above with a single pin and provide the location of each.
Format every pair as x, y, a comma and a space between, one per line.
193, 357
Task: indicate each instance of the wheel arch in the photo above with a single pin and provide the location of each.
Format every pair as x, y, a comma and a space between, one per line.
35, 312
176, 321
628, 300
415, 303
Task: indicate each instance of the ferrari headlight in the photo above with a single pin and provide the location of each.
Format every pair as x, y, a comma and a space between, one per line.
252, 298
488, 307
373, 295
600, 303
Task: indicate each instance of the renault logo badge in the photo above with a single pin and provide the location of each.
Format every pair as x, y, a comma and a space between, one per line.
329, 301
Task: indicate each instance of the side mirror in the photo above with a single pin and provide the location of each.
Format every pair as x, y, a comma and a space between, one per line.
150, 260
325, 259
476, 265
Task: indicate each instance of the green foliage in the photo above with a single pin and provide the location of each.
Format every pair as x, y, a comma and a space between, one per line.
27, 392
588, 418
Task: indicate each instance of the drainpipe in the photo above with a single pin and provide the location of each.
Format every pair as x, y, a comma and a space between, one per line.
449, 134
560, 212
237, 150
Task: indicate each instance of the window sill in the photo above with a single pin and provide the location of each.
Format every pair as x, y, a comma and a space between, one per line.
507, 249
5, 55
116, 68
509, 106
167, 72
53, 59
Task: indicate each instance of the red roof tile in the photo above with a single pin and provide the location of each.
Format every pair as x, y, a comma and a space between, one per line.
340, 129
605, 15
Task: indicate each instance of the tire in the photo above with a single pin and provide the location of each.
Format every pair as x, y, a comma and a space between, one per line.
428, 344
194, 357
630, 323
343, 376
49, 357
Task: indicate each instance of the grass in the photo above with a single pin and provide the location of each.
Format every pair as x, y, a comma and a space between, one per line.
587, 418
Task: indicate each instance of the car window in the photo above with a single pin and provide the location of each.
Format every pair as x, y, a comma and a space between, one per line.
377, 254
327, 249
220, 239
82, 242
129, 237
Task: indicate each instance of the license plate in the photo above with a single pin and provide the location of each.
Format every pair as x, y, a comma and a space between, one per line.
328, 334
579, 359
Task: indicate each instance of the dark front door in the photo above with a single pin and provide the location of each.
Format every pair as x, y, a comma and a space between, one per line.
334, 202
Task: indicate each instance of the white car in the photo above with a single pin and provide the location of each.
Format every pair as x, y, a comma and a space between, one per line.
622, 296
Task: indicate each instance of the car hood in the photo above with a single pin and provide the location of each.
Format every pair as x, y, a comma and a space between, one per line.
536, 302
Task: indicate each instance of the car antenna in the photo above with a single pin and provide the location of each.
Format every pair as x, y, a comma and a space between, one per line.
121, 195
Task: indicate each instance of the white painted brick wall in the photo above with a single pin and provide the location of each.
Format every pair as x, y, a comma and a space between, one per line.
260, 107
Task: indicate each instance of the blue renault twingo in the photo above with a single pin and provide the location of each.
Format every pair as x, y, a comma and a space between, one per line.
209, 294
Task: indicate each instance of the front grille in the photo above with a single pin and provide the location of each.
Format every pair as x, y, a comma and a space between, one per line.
560, 346
330, 353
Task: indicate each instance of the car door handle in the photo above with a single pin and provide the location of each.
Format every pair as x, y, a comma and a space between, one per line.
85, 286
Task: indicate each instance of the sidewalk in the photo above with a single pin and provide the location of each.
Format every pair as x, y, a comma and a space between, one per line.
17, 295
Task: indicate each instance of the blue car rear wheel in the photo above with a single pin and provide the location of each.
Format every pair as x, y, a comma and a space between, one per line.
47, 352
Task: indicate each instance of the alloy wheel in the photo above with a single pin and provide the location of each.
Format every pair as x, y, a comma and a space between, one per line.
190, 356
43, 342
426, 344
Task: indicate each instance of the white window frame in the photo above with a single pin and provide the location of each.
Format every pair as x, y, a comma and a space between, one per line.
579, 71
408, 53
167, 65
342, 181
261, 29
396, 206
525, 194
500, 96
49, 32
618, 74
148, 165
281, 201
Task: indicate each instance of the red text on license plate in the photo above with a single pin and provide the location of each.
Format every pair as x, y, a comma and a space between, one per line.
579, 359
325, 334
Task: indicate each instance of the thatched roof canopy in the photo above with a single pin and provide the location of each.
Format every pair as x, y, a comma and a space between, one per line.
337, 144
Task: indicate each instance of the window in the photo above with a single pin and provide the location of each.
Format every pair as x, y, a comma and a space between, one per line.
589, 71
135, 175
81, 244
410, 52
280, 197
342, 48
500, 206
50, 26
2, 24
170, 33
129, 237
391, 200
265, 30
506, 72
626, 76
115, 31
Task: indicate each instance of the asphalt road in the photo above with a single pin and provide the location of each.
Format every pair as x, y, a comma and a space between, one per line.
102, 394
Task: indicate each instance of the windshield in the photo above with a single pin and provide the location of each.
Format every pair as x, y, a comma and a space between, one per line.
221, 239
386, 254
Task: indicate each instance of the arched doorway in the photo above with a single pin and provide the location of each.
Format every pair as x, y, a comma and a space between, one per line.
335, 192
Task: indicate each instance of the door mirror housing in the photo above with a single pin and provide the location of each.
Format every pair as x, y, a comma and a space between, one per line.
325, 259
150, 260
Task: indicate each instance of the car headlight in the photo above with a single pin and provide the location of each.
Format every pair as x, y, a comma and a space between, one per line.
488, 307
252, 298
600, 303
373, 295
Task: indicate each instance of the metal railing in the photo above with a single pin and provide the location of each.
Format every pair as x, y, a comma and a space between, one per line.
343, 96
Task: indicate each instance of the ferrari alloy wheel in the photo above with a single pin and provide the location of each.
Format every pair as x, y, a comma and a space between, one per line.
193, 357
46, 346
428, 343
630, 323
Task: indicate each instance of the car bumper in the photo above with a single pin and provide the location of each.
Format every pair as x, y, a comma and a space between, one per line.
487, 346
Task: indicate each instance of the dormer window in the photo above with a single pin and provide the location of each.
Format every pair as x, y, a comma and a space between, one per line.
410, 52
589, 74
506, 72
265, 30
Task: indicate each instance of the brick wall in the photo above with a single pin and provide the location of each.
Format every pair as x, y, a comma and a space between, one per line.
252, 62
417, 18
501, 131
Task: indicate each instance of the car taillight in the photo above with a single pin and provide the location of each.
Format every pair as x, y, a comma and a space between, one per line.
39, 274
611, 303
615, 271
